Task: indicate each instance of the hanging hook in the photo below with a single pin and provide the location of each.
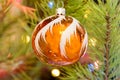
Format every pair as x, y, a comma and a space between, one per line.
60, 4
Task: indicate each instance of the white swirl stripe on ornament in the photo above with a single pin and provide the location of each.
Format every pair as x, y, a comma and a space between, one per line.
71, 30
36, 41
43, 31
84, 44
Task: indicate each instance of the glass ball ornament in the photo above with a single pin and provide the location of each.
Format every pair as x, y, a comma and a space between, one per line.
59, 39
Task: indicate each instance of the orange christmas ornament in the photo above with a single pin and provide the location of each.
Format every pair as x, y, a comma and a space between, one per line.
59, 39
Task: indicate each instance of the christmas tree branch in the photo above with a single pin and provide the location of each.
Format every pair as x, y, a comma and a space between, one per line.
107, 48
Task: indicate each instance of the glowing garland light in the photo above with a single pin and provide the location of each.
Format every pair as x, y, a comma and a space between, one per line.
25, 38
93, 42
55, 72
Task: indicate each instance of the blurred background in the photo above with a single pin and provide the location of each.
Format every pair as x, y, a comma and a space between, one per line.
17, 21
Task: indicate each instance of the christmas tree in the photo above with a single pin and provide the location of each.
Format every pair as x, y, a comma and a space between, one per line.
100, 18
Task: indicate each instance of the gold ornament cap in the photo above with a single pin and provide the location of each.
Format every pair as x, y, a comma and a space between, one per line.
60, 11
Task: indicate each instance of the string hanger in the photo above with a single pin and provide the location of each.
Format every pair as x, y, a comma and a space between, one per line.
60, 8
60, 3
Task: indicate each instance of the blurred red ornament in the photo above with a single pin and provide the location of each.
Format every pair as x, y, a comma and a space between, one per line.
85, 59
3, 73
59, 39
12, 67
19, 67
18, 4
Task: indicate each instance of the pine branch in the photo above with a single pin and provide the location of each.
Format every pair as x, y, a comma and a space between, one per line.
107, 48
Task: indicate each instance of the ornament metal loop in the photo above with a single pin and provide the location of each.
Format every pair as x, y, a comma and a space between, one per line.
60, 4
